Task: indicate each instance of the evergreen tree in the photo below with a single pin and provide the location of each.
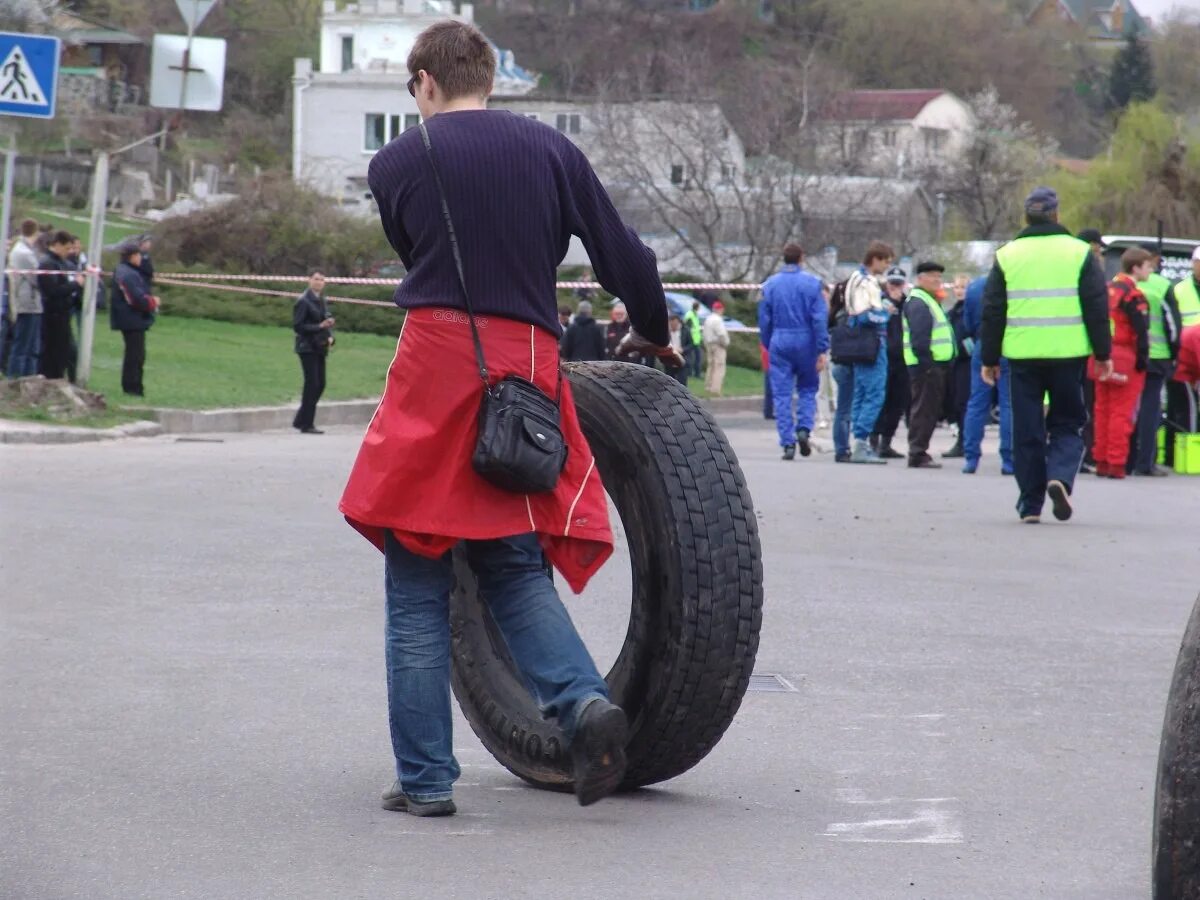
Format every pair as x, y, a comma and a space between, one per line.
1131, 78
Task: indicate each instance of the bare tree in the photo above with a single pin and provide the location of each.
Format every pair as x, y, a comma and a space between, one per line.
27, 15
1001, 154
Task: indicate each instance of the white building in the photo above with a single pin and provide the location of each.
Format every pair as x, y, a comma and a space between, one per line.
355, 101
899, 134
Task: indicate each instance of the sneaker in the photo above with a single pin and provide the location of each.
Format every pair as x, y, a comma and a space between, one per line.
1155, 472
970, 467
789, 451
862, 454
802, 436
1031, 519
1057, 492
395, 800
924, 461
598, 751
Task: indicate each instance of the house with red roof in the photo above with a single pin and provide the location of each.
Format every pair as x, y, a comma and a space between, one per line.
893, 133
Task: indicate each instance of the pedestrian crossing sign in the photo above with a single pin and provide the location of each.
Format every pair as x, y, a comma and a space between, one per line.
28, 74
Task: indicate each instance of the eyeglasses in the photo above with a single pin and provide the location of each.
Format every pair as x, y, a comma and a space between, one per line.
412, 85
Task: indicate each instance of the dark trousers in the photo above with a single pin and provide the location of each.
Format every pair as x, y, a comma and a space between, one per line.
1182, 415
895, 400
134, 363
768, 397
928, 395
695, 360
1145, 437
1047, 446
56, 344
26, 347
958, 392
1089, 428
313, 365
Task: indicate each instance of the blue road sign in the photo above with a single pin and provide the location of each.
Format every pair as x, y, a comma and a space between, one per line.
28, 74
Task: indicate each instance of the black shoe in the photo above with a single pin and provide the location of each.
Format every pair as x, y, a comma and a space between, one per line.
1057, 492
841, 457
802, 436
955, 452
789, 452
311, 431
886, 451
873, 442
395, 800
924, 461
598, 751
1155, 472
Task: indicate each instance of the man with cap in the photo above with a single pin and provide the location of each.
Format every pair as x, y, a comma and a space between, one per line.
131, 312
716, 344
1163, 321
791, 322
1045, 309
929, 347
1184, 297
896, 397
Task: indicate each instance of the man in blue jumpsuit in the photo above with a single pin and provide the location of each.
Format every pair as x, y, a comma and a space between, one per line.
792, 321
979, 406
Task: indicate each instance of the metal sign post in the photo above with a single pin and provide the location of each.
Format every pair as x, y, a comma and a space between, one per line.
95, 247
10, 159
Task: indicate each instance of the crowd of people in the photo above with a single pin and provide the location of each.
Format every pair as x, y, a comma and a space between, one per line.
42, 304
1044, 325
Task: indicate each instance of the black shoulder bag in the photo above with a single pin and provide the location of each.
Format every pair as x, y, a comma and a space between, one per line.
520, 447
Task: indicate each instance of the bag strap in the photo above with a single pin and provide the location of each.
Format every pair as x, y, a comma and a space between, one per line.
458, 263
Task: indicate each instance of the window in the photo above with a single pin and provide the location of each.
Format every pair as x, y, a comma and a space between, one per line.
347, 52
888, 137
727, 173
569, 123
375, 135
935, 140
677, 175
380, 128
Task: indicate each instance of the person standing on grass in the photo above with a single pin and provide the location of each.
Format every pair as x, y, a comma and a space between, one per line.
312, 323
584, 338
132, 310
25, 304
61, 287
716, 347
695, 359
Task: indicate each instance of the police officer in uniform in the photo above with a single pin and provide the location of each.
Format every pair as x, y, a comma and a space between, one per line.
929, 348
1164, 345
1045, 308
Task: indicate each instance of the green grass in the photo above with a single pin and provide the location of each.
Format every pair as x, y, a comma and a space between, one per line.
77, 221
205, 364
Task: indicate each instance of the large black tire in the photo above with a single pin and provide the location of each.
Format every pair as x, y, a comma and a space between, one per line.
1177, 793
697, 589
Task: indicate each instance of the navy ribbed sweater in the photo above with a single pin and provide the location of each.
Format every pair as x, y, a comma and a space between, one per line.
517, 191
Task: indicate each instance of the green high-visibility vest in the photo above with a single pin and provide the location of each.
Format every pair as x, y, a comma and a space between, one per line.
1188, 299
941, 339
692, 321
1045, 315
1155, 288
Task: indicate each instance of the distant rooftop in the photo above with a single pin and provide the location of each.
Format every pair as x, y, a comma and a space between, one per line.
879, 106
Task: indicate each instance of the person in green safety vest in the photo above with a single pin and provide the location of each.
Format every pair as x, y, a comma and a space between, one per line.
694, 354
1164, 347
1045, 309
929, 346
1185, 295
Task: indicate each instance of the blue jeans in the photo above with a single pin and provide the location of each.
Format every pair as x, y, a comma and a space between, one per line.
27, 345
870, 389
979, 406
843, 377
514, 581
1047, 446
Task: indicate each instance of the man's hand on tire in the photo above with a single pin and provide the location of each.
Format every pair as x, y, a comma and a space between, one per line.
634, 343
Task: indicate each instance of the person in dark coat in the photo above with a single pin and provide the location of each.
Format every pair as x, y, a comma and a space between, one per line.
61, 289
314, 336
131, 311
584, 339
897, 396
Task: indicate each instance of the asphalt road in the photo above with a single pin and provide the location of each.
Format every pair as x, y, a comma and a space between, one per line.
192, 696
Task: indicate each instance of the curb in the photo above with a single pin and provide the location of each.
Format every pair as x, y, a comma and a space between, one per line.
247, 419
19, 432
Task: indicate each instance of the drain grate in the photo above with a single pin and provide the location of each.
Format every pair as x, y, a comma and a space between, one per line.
771, 683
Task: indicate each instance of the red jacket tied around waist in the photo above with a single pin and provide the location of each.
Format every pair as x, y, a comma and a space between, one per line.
413, 473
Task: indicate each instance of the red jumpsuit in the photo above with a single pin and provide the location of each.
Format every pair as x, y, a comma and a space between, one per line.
1117, 398
1187, 372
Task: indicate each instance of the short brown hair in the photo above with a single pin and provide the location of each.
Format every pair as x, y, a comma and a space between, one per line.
792, 253
59, 238
29, 228
1134, 257
878, 250
458, 56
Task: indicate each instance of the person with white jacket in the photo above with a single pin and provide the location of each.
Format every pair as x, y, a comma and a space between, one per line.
865, 309
716, 344
25, 304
